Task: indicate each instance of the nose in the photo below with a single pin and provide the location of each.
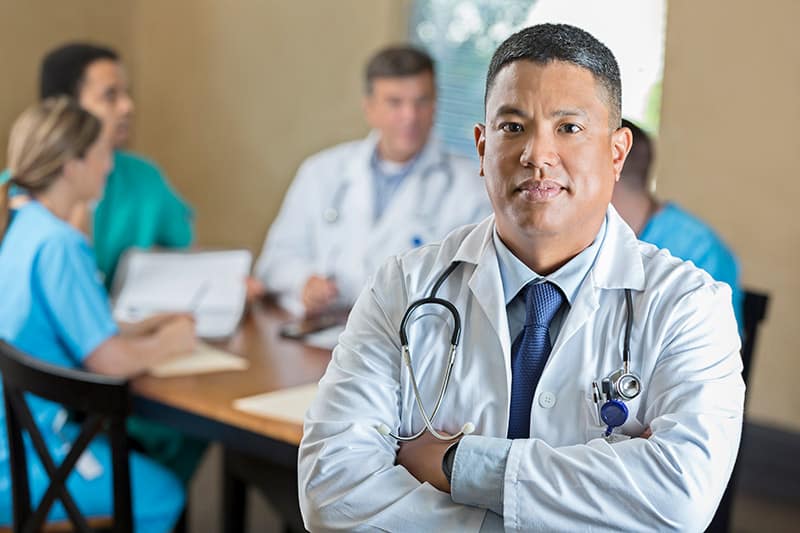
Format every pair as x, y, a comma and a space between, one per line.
409, 112
126, 103
540, 151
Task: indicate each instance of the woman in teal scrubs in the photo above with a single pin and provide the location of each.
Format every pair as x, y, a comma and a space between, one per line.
55, 307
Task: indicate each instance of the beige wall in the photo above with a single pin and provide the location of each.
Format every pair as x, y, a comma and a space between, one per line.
730, 151
233, 95
30, 28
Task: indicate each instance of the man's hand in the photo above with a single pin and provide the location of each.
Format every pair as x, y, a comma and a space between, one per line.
255, 288
423, 459
318, 294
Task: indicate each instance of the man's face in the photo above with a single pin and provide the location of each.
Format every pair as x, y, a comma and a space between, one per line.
104, 93
402, 110
548, 154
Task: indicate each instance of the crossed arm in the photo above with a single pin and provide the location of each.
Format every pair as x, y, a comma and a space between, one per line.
353, 478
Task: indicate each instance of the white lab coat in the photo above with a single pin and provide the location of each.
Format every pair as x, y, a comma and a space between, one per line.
442, 192
684, 345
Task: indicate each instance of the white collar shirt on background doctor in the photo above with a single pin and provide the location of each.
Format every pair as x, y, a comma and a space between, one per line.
551, 150
352, 206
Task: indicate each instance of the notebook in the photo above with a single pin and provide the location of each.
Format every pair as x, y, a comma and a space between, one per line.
203, 360
287, 404
211, 285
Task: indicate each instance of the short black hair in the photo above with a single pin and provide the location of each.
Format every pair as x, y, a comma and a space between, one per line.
637, 165
396, 62
63, 69
545, 43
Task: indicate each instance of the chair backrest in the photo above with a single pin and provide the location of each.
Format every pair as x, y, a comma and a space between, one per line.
754, 310
105, 403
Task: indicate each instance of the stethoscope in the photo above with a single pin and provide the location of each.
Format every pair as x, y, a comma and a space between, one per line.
619, 387
332, 213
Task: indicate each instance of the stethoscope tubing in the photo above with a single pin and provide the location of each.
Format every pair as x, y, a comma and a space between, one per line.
331, 213
432, 299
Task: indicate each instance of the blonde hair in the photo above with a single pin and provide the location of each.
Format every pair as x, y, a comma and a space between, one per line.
42, 140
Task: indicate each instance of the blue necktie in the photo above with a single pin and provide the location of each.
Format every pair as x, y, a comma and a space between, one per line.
529, 354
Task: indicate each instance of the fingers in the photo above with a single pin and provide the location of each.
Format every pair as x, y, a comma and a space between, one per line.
255, 288
318, 294
180, 331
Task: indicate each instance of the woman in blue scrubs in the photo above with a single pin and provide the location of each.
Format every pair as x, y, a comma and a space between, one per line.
55, 308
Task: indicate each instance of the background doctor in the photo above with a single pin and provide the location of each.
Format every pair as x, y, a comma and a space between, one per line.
541, 290
352, 206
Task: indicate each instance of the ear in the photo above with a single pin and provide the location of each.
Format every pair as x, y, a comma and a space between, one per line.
480, 142
621, 142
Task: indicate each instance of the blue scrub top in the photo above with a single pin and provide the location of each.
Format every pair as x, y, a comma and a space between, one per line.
691, 239
54, 305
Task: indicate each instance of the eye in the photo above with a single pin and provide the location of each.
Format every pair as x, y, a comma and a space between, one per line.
110, 95
569, 128
511, 127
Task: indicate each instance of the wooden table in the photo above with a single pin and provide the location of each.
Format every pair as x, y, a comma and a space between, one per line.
202, 405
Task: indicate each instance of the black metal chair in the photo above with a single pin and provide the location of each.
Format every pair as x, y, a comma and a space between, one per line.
105, 403
755, 310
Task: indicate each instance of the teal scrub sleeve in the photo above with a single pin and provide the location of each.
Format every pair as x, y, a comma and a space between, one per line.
176, 219
68, 283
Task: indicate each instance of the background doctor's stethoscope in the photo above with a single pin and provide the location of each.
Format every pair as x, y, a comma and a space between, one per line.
419, 223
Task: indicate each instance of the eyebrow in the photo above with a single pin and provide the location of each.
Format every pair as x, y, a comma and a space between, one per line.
507, 109
576, 112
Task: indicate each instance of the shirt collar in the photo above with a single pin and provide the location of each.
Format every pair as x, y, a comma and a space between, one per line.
379, 169
515, 274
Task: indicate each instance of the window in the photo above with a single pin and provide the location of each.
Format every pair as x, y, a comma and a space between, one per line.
462, 35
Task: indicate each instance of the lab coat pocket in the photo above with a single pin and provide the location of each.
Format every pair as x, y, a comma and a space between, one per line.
593, 426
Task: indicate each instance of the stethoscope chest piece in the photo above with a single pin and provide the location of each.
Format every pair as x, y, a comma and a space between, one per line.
627, 385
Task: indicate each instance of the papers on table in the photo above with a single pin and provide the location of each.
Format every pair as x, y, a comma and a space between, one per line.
211, 285
203, 360
288, 404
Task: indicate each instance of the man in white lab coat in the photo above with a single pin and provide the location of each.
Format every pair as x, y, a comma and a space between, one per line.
356, 204
541, 288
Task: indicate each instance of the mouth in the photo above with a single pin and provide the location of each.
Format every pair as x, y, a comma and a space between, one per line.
539, 190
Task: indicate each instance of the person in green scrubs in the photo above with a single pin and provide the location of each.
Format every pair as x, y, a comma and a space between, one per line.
138, 208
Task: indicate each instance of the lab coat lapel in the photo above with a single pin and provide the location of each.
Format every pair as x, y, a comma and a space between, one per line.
359, 203
486, 284
618, 266
403, 205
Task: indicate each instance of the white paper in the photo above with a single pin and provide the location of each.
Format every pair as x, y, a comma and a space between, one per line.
211, 285
288, 404
205, 359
